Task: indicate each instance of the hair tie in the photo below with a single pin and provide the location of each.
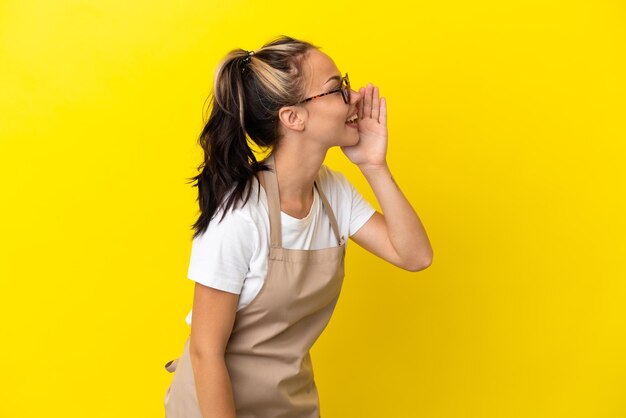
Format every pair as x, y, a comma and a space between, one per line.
246, 60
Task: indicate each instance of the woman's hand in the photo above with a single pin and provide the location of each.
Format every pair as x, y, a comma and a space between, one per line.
371, 150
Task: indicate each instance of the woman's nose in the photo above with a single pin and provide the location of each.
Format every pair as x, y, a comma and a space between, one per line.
355, 96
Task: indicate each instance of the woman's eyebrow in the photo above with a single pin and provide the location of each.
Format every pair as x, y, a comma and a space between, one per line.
335, 77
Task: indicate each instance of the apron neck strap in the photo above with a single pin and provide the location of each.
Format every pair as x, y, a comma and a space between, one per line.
273, 203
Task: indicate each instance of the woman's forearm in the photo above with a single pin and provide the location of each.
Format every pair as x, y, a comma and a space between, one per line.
406, 232
213, 386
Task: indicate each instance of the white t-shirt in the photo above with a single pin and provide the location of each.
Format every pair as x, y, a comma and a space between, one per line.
232, 255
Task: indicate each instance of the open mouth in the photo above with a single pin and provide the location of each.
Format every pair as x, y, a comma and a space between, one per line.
352, 119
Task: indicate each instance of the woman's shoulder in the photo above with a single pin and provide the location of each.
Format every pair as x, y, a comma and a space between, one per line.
331, 179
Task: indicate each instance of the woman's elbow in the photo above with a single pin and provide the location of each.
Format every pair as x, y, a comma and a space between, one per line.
421, 264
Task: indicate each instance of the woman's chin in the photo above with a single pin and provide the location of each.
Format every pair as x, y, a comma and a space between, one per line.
352, 138
355, 140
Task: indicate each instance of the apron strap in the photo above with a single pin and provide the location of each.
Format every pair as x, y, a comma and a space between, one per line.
273, 202
331, 215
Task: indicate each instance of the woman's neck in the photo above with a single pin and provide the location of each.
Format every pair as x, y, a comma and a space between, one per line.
295, 177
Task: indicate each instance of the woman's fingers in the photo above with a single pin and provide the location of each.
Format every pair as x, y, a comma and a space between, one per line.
375, 108
362, 93
371, 105
383, 111
367, 101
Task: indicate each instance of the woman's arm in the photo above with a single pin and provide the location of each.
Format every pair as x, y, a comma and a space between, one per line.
213, 316
398, 236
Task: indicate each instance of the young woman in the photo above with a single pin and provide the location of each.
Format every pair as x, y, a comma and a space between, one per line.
269, 269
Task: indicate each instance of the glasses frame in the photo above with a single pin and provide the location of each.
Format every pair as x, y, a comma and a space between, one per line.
344, 89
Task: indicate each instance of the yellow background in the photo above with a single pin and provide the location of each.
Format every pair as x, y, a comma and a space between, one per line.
506, 124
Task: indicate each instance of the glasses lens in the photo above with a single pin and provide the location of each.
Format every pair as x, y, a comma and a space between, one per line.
345, 89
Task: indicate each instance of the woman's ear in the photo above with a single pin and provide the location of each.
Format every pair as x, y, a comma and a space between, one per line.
292, 117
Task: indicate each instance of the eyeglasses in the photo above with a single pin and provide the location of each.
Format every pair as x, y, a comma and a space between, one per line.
344, 89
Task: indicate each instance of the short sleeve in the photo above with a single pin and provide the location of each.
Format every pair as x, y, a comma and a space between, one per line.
220, 257
360, 209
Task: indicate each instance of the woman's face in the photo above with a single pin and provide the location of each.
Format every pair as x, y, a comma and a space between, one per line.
326, 116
